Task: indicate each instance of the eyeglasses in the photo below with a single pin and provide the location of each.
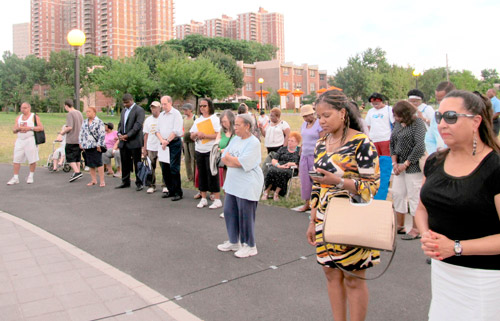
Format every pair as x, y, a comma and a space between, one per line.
203, 106
450, 116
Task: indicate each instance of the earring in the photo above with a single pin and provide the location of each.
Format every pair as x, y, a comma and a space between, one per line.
474, 145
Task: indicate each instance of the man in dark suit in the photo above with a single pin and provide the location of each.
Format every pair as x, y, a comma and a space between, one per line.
131, 140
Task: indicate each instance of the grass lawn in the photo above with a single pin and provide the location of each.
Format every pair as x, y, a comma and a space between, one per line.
53, 122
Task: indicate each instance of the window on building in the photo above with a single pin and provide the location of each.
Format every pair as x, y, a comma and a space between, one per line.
248, 72
312, 87
286, 85
286, 71
298, 72
321, 76
298, 85
249, 86
312, 73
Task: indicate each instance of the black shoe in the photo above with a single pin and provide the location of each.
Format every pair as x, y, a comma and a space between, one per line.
139, 188
166, 195
75, 176
176, 198
123, 186
428, 260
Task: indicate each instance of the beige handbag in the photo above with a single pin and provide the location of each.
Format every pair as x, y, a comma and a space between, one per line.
368, 225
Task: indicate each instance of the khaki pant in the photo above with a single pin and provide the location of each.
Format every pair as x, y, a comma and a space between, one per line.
189, 159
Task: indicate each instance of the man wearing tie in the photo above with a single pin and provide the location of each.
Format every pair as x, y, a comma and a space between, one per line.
131, 140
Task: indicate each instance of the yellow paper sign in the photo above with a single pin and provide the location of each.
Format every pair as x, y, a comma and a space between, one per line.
206, 128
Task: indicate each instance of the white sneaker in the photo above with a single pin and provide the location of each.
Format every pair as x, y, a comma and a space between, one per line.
228, 246
203, 202
150, 190
216, 204
246, 251
13, 181
164, 190
29, 180
221, 215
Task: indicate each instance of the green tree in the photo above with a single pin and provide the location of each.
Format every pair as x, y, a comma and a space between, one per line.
128, 75
183, 78
272, 99
15, 82
227, 64
465, 80
429, 80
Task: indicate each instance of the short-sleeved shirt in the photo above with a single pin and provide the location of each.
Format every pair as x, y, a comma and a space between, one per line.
463, 208
427, 111
495, 103
170, 122
310, 137
246, 181
151, 127
200, 146
380, 122
74, 119
408, 143
275, 136
111, 139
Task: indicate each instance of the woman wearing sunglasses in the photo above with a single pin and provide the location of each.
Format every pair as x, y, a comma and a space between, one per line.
458, 215
407, 147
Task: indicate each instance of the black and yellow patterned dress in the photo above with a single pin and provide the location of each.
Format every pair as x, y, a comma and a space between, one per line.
358, 160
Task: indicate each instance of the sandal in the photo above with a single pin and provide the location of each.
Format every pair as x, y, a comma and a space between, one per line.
264, 196
276, 197
409, 237
91, 183
401, 230
102, 184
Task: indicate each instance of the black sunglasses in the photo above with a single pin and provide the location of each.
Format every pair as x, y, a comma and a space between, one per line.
203, 106
450, 116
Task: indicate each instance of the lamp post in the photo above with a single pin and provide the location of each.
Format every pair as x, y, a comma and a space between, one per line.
261, 81
76, 38
416, 74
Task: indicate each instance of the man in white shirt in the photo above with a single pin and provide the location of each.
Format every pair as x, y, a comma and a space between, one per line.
380, 122
151, 142
169, 134
424, 111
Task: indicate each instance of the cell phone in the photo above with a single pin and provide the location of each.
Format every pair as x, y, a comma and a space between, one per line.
315, 174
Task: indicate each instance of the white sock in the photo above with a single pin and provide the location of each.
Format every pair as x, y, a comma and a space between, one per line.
31, 174
16, 176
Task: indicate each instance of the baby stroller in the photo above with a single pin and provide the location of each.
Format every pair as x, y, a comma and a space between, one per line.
56, 154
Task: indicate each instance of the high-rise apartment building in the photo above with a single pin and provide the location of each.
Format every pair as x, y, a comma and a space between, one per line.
21, 39
261, 26
113, 28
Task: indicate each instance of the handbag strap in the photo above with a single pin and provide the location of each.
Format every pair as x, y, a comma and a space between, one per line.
394, 246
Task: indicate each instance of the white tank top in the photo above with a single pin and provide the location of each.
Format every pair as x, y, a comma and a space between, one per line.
26, 123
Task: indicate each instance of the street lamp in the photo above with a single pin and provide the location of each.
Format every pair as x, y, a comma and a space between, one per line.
76, 38
416, 74
261, 81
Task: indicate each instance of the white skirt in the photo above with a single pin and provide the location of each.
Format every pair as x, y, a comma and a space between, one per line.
461, 293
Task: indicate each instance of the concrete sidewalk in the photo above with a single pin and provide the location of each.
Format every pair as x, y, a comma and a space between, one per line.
45, 278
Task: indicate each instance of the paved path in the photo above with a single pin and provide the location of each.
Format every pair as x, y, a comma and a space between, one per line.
171, 248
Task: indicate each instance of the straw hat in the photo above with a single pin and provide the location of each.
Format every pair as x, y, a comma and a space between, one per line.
306, 110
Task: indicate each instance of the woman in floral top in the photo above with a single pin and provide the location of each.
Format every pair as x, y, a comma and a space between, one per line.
349, 162
91, 139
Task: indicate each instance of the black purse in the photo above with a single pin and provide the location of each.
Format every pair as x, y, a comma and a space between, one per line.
40, 135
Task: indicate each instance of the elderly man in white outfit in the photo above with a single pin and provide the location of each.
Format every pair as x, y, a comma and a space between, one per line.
25, 148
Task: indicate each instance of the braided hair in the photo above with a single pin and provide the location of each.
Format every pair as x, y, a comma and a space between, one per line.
338, 100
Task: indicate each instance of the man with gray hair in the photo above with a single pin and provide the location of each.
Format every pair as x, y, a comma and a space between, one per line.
169, 134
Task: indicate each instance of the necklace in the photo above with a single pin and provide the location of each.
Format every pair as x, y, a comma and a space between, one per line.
333, 142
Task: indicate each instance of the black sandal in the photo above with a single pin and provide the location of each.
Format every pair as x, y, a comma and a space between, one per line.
401, 230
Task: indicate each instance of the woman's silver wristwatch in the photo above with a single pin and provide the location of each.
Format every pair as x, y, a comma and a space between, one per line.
341, 183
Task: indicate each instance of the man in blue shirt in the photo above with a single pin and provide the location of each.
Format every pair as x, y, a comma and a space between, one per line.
495, 103
433, 140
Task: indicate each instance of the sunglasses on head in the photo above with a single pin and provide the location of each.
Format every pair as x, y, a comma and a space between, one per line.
450, 117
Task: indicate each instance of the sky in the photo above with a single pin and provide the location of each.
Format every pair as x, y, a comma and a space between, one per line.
326, 33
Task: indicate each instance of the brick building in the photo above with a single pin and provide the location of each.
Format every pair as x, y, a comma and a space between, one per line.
21, 39
279, 75
261, 26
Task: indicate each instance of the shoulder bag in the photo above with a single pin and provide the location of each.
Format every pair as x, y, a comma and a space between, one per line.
39, 135
365, 225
